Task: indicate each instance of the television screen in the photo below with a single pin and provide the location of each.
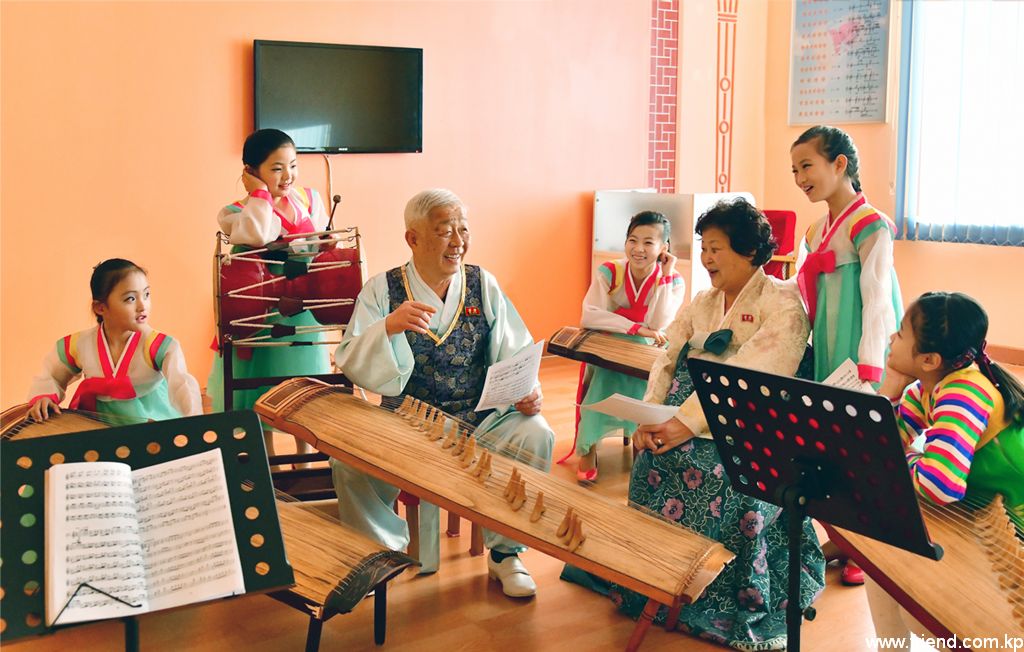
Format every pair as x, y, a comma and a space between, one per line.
340, 98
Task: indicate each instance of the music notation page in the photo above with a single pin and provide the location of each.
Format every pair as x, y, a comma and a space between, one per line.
511, 379
157, 537
188, 537
92, 537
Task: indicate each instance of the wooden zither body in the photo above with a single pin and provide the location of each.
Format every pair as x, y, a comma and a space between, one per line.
976, 590
610, 540
604, 350
14, 423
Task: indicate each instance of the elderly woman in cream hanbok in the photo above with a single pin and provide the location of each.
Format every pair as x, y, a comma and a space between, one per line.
751, 320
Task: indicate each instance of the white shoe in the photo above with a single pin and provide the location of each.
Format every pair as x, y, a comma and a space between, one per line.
515, 579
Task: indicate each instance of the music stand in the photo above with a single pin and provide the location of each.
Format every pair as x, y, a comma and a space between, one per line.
24, 461
814, 450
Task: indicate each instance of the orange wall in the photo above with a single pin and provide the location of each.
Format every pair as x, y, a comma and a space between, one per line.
988, 273
122, 126
698, 87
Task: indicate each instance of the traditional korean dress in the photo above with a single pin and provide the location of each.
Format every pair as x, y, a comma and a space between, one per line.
849, 285
254, 223
765, 329
474, 326
149, 381
970, 449
616, 305
971, 452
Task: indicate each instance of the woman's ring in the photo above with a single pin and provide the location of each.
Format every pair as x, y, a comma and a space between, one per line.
659, 442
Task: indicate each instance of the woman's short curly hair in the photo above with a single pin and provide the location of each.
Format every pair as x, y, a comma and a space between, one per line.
748, 229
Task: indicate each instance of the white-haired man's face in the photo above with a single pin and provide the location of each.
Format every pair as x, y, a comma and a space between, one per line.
440, 242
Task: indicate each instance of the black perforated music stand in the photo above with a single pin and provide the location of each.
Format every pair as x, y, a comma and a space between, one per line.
814, 450
23, 462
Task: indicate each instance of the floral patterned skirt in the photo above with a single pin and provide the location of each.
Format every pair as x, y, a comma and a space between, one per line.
745, 607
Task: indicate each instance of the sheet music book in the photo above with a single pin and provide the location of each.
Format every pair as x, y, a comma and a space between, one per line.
157, 537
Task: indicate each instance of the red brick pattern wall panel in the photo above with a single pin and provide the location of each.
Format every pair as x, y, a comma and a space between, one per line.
661, 148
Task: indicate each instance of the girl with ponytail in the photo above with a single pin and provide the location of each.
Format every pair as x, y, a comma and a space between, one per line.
968, 410
846, 278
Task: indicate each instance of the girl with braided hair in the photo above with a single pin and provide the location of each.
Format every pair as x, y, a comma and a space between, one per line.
846, 276
968, 410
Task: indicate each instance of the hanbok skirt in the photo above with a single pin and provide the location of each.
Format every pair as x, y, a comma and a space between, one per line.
602, 383
998, 467
745, 606
154, 405
837, 327
270, 361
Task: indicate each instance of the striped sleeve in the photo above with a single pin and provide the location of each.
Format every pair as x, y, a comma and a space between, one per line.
665, 300
960, 416
59, 368
871, 234
252, 223
598, 306
812, 231
317, 213
67, 352
867, 222
910, 414
305, 196
674, 279
156, 347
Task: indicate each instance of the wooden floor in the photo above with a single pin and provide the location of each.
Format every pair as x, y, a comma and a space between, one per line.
458, 608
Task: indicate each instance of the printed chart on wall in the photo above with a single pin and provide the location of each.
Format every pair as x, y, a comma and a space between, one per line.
838, 61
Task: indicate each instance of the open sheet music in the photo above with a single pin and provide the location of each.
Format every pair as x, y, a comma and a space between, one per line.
633, 409
845, 377
511, 379
156, 537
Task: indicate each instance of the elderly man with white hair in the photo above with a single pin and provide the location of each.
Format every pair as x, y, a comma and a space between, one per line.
429, 329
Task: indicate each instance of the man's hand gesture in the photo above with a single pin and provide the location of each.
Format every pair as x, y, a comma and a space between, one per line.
410, 316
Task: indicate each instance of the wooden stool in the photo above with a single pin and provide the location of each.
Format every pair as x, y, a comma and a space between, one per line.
412, 517
476, 534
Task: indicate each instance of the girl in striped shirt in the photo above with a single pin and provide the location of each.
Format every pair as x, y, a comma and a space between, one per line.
967, 409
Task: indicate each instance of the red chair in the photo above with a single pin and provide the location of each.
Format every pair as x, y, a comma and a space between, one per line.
783, 262
412, 516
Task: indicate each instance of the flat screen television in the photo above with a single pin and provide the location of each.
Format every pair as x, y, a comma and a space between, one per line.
340, 98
